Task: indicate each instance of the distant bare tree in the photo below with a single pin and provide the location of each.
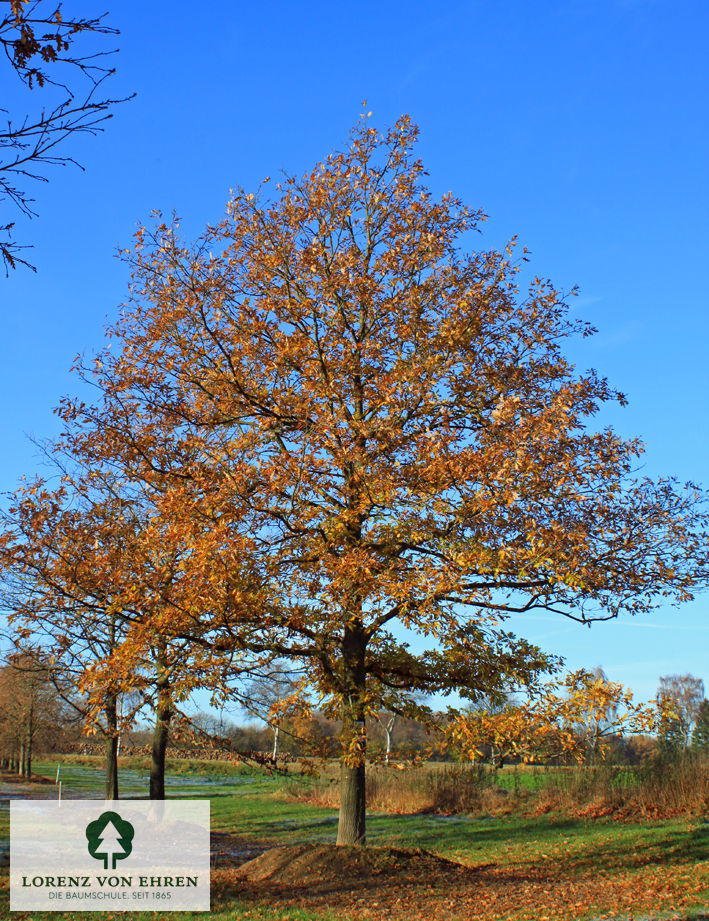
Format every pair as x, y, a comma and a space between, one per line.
681, 696
265, 692
700, 736
387, 721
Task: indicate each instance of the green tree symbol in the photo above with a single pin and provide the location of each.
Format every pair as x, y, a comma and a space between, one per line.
110, 839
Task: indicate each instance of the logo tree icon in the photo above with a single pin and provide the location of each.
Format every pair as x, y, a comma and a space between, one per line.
110, 839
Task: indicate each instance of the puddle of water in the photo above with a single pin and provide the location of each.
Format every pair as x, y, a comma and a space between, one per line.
82, 781
450, 819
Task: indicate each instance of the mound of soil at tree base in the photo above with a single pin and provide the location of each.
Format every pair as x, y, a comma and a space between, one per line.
319, 866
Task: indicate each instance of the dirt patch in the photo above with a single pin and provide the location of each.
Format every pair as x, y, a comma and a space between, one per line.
230, 851
314, 865
12, 777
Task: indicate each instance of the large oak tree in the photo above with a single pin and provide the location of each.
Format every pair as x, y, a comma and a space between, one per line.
382, 441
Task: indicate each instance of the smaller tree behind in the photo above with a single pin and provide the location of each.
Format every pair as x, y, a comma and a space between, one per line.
598, 721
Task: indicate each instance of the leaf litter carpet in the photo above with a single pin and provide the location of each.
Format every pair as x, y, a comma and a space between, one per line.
412, 884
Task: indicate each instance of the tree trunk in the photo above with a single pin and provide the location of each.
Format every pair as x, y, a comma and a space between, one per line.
351, 827
276, 730
111, 748
28, 758
161, 732
21, 761
28, 742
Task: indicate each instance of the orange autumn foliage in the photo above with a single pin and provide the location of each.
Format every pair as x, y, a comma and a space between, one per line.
566, 720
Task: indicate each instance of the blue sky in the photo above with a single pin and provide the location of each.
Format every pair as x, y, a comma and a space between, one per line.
581, 126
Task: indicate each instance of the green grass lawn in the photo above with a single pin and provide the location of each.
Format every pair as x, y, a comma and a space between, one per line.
251, 805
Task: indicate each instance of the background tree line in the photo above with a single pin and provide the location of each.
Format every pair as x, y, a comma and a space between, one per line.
37, 720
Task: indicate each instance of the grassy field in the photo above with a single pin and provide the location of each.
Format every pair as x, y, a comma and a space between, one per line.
522, 865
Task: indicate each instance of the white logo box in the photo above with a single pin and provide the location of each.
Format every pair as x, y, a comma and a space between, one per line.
99, 855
